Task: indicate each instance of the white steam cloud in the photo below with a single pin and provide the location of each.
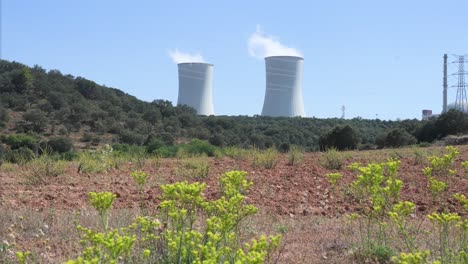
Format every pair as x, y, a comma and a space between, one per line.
181, 57
262, 45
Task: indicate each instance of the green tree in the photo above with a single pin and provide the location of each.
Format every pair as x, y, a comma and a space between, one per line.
22, 80
451, 123
399, 137
36, 120
341, 138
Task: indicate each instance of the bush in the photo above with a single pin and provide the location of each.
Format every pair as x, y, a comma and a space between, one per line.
132, 138
167, 151
22, 140
236, 153
60, 144
4, 116
284, 147
4, 152
341, 138
332, 159
154, 145
123, 148
217, 140
42, 169
96, 161
295, 156
265, 158
21, 155
198, 147
69, 156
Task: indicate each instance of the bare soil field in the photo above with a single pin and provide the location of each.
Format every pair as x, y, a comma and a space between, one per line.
296, 200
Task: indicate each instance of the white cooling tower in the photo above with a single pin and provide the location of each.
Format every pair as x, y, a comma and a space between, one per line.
283, 95
195, 86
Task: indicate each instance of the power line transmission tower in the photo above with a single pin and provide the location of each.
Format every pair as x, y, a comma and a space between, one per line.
461, 102
343, 111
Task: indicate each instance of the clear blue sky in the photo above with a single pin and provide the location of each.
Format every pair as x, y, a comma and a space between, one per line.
373, 57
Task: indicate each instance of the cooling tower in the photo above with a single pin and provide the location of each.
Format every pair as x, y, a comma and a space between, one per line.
283, 95
195, 86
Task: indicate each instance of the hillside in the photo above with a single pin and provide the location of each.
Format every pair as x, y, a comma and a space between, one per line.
48, 103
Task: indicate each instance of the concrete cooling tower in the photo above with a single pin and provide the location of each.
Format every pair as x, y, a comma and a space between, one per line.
283, 95
195, 86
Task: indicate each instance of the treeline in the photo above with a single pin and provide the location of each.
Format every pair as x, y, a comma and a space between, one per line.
48, 104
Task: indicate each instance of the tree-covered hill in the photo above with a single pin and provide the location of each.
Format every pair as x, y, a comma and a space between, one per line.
49, 104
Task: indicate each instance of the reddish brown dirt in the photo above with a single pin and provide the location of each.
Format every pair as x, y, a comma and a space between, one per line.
298, 198
290, 190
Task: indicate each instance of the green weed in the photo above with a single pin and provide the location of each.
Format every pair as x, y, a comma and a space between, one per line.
188, 229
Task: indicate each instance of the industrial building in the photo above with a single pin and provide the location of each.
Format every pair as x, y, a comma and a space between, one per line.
283, 94
195, 86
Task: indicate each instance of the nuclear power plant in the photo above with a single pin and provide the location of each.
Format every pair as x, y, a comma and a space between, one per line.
195, 86
283, 94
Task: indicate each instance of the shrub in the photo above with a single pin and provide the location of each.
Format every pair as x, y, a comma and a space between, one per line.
21, 155
69, 155
130, 137
60, 144
332, 159
42, 169
96, 161
284, 147
22, 140
167, 151
4, 152
265, 158
236, 153
419, 155
197, 147
4, 116
295, 156
154, 145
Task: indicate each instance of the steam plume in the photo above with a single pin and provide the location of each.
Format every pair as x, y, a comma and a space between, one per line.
262, 45
181, 57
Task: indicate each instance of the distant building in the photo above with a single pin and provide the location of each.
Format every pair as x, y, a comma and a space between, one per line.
283, 95
195, 86
426, 114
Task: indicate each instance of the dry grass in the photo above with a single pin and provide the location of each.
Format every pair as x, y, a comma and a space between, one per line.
51, 235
